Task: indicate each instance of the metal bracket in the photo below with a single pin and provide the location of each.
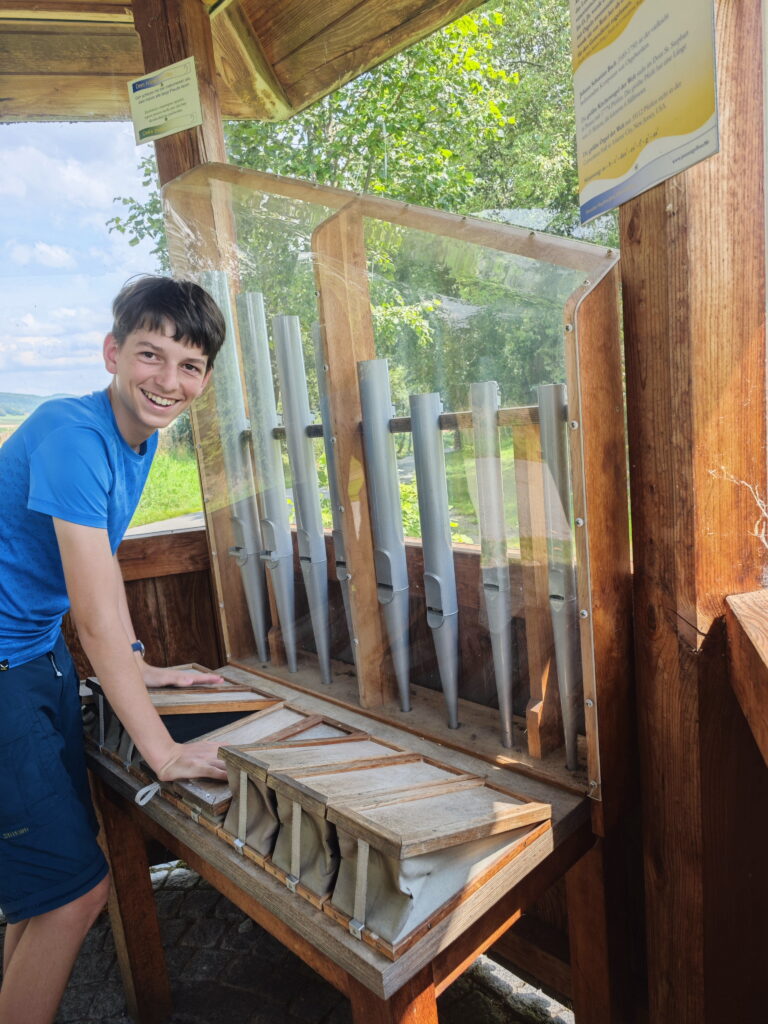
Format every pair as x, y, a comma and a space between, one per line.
238, 553
291, 881
356, 928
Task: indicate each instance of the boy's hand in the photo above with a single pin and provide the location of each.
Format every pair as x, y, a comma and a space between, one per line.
155, 677
193, 761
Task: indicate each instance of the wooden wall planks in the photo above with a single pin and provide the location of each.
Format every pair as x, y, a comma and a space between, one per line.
693, 268
172, 608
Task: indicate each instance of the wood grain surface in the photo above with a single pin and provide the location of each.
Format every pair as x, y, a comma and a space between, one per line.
693, 268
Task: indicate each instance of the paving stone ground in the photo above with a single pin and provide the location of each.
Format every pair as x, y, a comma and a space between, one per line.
225, 969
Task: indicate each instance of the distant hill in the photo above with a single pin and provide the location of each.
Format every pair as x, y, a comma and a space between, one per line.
22, 405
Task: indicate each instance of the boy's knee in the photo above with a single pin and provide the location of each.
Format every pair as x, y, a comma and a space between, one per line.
90, 904
99, 895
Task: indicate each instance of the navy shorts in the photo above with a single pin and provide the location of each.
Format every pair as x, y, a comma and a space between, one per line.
48, 850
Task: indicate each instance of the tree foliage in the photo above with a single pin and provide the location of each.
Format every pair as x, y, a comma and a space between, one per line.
477, 117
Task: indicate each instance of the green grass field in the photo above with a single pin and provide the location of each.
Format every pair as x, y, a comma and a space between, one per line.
8, 424
172, 489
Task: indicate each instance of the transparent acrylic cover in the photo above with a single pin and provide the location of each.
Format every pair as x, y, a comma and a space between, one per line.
388, 462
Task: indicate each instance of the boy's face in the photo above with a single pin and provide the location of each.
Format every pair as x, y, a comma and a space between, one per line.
155, 380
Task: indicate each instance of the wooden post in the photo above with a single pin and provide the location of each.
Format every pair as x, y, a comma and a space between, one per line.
414, 1003
132, 912
693, 265
169, 32
345, 315
543, 717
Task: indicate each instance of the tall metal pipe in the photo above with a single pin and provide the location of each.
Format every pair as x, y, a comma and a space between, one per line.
494, 566
386, 516
277, 550
286, 331
233, 426
439, 573
339, 551
561, 569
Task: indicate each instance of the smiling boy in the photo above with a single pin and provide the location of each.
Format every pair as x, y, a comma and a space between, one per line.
71, 477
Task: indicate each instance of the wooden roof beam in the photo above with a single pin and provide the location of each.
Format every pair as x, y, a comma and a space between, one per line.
66, 10
244, 68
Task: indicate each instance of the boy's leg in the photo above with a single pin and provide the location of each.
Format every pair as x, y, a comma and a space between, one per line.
13, 933
53, 940
53, 876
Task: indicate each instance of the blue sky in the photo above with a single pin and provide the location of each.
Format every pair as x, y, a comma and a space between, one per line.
60, 266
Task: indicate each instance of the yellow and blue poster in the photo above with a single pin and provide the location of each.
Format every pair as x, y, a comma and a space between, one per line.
165, 102
646, 95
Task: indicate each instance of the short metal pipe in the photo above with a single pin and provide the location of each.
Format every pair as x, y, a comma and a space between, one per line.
286, 331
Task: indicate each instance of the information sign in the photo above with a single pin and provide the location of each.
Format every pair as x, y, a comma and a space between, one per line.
165, 102
645, 91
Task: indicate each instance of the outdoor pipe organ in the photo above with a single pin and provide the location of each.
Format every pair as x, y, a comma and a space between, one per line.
393, 323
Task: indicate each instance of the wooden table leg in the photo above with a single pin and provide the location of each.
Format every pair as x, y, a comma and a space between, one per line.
414, 1003
133, 912
604, 946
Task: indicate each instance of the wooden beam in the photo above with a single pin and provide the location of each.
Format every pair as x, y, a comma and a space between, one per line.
68, 98
594, 261
169, 32
694, 271
67, 10
55, 48
543, 717
347, 329
145, 557
746, 617
244, 68
599, 474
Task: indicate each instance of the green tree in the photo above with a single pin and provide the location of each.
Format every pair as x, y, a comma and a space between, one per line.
410, 128
477, 116
144, 219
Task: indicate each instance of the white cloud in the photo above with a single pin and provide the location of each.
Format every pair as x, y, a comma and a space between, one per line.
61, 267
53, 255
42, 254
68, 166
10, 185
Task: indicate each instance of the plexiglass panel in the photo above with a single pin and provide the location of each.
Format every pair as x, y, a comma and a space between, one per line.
387, 454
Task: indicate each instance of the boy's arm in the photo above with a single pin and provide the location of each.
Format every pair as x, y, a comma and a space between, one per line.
151, 674
96, 601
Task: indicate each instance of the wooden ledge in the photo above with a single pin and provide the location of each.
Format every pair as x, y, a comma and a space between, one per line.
747, 622
147, 556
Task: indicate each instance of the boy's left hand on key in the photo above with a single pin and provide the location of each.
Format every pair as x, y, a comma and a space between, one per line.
192, 761
155, 677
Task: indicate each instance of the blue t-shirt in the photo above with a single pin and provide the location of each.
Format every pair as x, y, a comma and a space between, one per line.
67, 460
